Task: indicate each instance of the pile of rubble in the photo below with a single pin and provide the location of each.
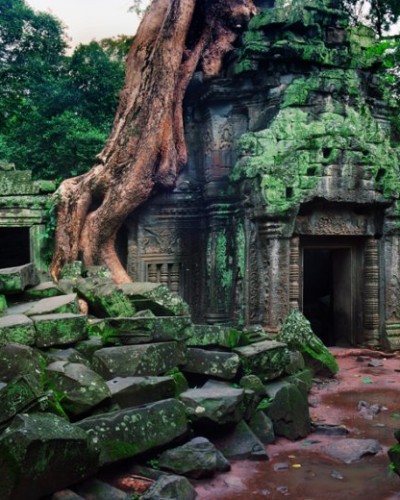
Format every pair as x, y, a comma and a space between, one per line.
92, 373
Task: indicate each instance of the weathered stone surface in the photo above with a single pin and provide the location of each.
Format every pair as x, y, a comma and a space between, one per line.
288, 410
55, 453
3, 304
155, 297
126, 433
98, 490
17, 359
82, 388
214, 335
223, 365
217, 404
70, 354
105, 299
138, 360
59, 329
197, 458
170, 488
350, 450
297, 333
66, 495
42, 291
21, 394
242, 444
53, 305
263, 427
16, 279
17, 329
135, 391
267, 359
253, 383
88, 347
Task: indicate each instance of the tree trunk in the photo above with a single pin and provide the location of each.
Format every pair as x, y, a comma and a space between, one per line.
146, 149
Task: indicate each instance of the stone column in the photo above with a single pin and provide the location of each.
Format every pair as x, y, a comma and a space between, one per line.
294, 273
371, 293
275, 251
36, 238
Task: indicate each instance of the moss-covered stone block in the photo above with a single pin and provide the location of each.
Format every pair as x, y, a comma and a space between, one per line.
215, 404
214, 335
17, 359
21, 395
135, 391
223, 365
155, 297
82, 389
53, 305
3, 304
55, 453
139, 360
59, 329
297, 333
16, 279
17, 329
266, 359
105, 299
126, 433
288, 410
43, 291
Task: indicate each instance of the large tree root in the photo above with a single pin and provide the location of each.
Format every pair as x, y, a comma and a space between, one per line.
146, 149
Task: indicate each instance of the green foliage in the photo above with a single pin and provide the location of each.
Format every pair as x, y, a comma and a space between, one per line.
381, 14
55, 111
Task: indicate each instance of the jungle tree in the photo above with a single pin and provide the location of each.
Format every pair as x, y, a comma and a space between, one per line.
146, 148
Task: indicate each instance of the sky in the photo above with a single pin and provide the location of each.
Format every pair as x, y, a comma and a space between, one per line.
86, 20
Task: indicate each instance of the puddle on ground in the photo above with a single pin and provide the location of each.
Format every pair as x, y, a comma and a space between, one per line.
317, 478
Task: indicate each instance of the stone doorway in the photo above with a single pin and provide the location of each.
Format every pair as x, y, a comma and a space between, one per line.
14, 246
331, 288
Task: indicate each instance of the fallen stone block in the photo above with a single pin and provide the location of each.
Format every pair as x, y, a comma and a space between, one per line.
59, 329
21, 394
297, 333
16, 279
242, 444
98, 490
51, 455
266, 359
53, 305
3, 304
135, 391
263, 427
196, 459
288, 410
138, 360
88, 347
70, 354
216, 404
170, 487
223, 365
126, 433
105, 299
81, 387
18, 329
44, 290
214, 335
17, 359
155, 297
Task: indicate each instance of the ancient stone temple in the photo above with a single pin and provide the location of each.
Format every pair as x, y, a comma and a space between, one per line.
23, 206
290, 196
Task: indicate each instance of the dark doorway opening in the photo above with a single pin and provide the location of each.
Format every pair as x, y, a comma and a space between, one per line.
14, 246
328, 293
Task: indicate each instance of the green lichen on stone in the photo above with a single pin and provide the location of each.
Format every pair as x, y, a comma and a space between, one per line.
289, 158
224, 271
3, 304
297, 333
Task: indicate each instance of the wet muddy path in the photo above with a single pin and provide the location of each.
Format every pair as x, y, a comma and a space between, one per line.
364, 398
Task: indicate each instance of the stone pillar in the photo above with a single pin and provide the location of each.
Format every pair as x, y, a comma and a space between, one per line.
371, 293
391, 261
276, 263
294, 273
36, 238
